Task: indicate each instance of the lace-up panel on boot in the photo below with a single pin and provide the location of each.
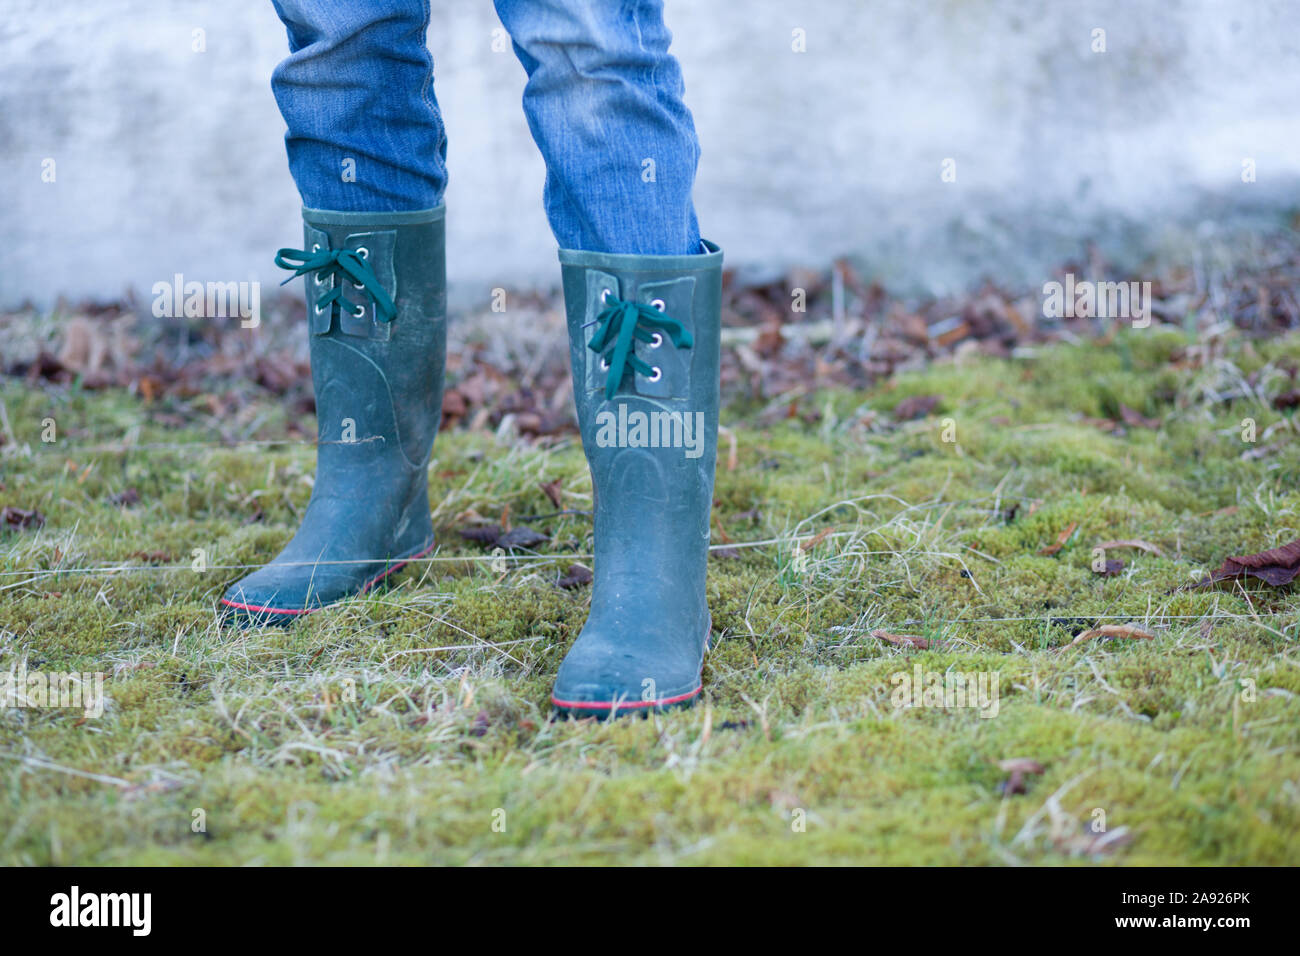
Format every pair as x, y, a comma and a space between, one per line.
638, 345
355, 282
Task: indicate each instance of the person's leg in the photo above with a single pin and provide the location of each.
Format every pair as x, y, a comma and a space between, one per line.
366, 149
604, 103
643, 302
365, 133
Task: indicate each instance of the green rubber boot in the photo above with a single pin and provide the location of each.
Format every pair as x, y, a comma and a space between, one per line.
644, 348
376, 315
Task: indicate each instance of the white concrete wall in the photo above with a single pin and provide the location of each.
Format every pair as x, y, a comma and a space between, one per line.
172, 161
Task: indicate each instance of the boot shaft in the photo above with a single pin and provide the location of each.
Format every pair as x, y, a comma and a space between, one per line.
652, 446
378, 373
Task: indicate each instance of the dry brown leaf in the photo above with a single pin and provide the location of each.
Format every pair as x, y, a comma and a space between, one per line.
722, 532
1135, 419
521, 537
915, 406
454, 405
1112, 630
783, 799
152, 557
1061, 538
486, 535
21, 518
576, 576
901, 640
816, 539
1225, 512
1131, 543
1277, 566
1287, 400
770, 341
954, 334
1018, 768
1023, 764
552, 491
125, 498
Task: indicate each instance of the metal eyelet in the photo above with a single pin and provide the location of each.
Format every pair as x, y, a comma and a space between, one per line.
320, 310
315, 247
357, 285
655, 374
656, 341
604, 362
657, 304
604, 296
361, 310
363, 252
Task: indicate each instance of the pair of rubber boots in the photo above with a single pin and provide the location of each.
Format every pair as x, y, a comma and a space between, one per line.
644, 352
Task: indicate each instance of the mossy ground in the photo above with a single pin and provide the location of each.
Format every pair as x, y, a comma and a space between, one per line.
1190, 742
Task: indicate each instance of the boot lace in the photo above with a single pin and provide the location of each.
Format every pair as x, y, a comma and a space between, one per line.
346, 264
621, 322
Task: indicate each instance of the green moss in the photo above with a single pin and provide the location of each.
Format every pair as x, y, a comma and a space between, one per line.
400, 726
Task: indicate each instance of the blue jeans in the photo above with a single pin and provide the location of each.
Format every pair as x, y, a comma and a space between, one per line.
603, 101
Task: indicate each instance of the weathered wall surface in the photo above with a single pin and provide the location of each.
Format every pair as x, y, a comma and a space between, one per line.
168, 160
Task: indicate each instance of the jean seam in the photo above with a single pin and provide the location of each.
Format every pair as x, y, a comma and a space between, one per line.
429, 104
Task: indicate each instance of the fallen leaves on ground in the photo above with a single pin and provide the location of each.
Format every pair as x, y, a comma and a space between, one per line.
1132, 543
1112, 567
784, 800
1061, 539
552, 491
1277, 566
1135, 419
915, 406
576, 576
21, 519
492, 536
126, 498
901, 640
849, 333
152, 557
1018, 768
1129, 631
816, 539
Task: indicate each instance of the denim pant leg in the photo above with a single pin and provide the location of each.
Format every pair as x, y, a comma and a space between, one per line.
604, 103
365, 133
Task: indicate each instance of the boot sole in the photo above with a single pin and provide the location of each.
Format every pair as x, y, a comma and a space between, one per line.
258, 615
604, 709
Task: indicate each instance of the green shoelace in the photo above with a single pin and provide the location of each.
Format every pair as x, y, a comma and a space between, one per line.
619, 323
344, 264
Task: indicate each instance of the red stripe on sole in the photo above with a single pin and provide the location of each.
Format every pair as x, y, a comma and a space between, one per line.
623, 705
